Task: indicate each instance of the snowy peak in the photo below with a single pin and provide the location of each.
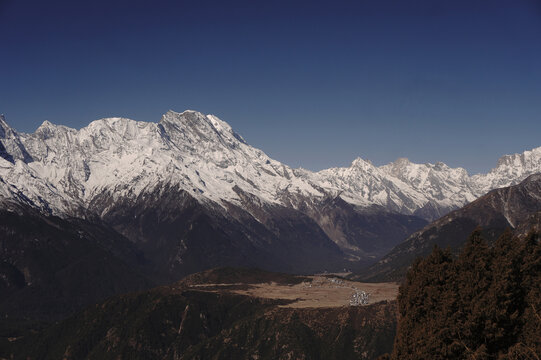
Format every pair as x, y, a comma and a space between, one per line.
528, 160
510, 170
4, 127
401, 163
423, 189
431, 178
46, 129
114, 134
202, 155
49, 130
362, 165
198, 153
4, 154
6, 131
11, 148
192, 127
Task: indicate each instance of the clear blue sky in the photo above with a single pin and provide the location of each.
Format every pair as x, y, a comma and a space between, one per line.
312, 83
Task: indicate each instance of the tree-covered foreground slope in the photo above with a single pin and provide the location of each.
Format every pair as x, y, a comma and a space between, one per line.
483, 304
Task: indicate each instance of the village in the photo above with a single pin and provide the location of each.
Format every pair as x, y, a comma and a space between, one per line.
315, 291
359, 297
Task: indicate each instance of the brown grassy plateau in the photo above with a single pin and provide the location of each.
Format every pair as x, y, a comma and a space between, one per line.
313, 292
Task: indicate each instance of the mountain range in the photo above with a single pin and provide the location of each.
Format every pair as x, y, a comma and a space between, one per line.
190, 194
517, 208
63, 170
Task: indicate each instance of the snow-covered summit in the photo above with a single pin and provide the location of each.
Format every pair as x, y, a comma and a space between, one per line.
60, 169
194, 152
412, 188
510, 170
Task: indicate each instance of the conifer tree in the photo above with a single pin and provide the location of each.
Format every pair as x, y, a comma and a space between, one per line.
506, 295
528, 345
486, 304
426, 303
474, 278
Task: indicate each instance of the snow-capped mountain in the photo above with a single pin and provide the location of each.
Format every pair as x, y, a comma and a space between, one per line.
62, 169
187, 185
516, 207
197, 153
426, 190
511, 170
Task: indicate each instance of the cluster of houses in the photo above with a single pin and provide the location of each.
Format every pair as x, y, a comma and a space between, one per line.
359, 297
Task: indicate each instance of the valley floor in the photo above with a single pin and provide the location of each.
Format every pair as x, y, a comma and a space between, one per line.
314, 292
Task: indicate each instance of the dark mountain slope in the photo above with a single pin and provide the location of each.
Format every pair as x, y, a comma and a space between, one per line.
364, 233
180, 236
51, 267
516, 207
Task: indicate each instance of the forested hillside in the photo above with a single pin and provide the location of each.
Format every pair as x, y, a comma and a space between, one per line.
484, 304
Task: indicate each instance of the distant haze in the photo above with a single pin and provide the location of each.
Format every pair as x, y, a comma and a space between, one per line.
312, 83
